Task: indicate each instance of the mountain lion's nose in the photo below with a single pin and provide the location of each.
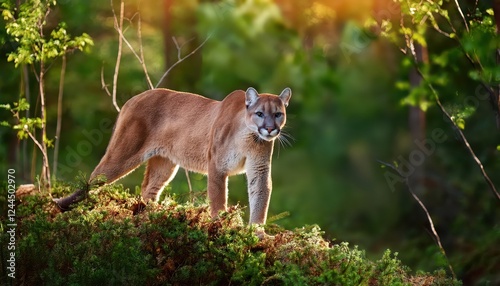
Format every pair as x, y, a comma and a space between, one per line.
270, 129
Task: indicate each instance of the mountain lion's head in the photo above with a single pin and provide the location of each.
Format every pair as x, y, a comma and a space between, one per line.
266, 113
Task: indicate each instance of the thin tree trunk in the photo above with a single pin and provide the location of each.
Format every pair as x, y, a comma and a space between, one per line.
45, 176
24, 152
59, 115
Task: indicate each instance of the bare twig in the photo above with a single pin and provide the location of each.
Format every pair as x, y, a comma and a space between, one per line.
424, 208
37, 143
438, 29
462, 15
141, 52
103, 83
140, 57
59, 114
434, 232
180, 59
191, 194
464, 139
118, 26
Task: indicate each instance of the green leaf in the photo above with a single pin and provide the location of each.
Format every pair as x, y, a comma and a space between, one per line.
420, 38
424, 105
7, 15
475, 75
441, 60
403, 85
5, 106
21, 134
21, 105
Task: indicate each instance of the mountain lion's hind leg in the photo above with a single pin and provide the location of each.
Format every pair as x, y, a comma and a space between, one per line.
111, 167
123, 155
159, 172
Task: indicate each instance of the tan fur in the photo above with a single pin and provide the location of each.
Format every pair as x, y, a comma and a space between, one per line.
169, 129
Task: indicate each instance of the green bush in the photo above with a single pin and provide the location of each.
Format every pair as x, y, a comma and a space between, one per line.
112, 238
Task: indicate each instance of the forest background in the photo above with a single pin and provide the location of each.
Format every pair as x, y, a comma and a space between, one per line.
364, 75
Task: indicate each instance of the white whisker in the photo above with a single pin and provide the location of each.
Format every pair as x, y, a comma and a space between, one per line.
284, 139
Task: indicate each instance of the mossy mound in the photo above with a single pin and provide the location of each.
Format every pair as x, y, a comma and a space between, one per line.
113, 239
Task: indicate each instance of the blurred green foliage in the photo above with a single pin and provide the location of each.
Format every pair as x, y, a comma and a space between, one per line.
348, 109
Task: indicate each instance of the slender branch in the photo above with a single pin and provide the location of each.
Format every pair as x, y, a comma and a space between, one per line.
179, 48
118, 26
433, 229
179, 58
37, 143
462, 15
424, 208
191, 194
464, 139
141, 52
43, 148
438, 29
140, 57
103, 83
59, 114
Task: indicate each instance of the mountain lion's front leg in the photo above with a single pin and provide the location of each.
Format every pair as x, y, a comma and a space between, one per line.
217, 190
259, 191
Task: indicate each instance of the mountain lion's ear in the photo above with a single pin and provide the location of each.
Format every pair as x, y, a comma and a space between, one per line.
285, 96
251, 96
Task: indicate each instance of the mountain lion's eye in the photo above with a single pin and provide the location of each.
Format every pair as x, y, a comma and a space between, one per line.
278, 114
259, 114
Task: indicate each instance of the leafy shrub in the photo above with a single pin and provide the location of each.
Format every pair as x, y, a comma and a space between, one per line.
113, 238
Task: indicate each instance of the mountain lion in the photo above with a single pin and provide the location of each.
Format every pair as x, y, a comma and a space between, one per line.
169, 129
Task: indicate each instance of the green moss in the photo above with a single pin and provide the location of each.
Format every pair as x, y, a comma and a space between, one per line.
105, 239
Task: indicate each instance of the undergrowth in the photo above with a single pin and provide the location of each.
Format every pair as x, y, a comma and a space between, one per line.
113, 239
